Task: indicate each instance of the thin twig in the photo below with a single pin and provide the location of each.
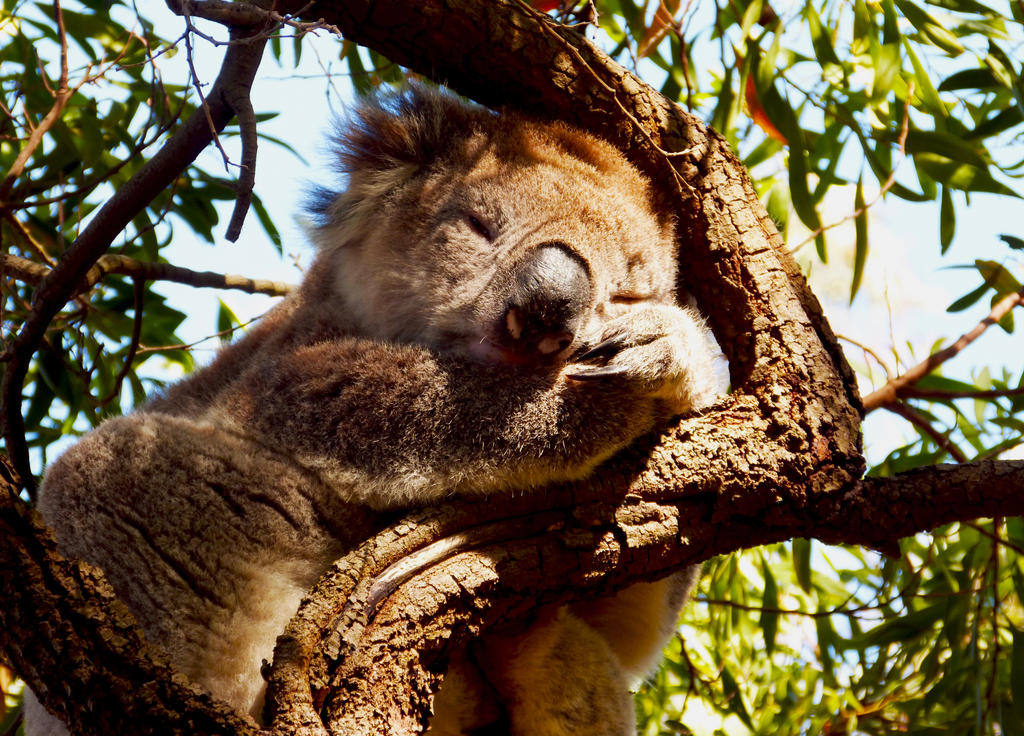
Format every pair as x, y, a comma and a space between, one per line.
683, 188
31, 272
867, 351
138, 292
189, 345
61, 96
942, 395
892, 391
995, 648
83, 190
886, 185
995, 537
197, 84
914, 417
239, 67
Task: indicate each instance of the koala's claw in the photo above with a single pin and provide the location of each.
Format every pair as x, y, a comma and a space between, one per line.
655, 351
604, 349
597, 373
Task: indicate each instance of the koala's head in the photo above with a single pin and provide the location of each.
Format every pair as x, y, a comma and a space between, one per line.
493, 236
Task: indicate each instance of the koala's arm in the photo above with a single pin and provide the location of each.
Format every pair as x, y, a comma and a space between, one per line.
401, 424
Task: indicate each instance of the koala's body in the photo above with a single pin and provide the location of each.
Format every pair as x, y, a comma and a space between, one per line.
492, 309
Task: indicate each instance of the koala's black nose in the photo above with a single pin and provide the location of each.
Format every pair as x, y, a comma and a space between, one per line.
550, 295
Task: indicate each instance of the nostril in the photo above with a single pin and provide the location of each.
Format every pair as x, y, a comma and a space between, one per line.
514, 323
547, 302
551, 344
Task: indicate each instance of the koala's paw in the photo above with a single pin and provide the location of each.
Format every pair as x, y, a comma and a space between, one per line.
664, 352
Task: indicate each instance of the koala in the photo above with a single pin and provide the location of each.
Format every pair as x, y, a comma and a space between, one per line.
492, 309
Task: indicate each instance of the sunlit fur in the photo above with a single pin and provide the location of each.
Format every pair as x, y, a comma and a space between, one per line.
382, 383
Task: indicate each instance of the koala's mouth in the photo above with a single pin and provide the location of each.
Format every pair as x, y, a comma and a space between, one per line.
508, 347
488, 351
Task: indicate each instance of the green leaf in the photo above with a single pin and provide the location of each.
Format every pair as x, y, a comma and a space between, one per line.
926, 92
721, 119
887, 65
1006, 321
734, 698
750, 17
1000, 65
998, 123
802, 562
860, 252
803, 204
906, 627
1004, 281
943, 144
360, 77
1017, 673
947, 220
827, 642
931, 29
268, 224
981, 78
227, 320
964, 6
960, 175
820, 39
891, 24
1013, 241
769, 620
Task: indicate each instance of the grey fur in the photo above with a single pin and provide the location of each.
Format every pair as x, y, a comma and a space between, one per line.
400, 374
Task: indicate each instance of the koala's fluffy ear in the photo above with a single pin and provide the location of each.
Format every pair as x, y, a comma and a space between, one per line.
386, 140
410, 127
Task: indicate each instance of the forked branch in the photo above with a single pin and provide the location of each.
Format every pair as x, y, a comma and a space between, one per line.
898, 387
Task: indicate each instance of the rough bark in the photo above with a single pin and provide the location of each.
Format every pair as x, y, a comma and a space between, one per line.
780, 457
80, 649
403, 600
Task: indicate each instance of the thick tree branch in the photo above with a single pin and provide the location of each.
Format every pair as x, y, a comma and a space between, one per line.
76, 645
506, 556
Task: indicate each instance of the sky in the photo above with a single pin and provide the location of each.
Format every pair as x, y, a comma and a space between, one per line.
899, 312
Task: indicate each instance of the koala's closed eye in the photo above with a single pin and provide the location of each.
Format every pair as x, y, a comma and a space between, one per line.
479, 227
629, 298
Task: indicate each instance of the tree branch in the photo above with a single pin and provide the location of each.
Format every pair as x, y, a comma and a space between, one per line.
52, 293
58, 612
896, 389
914, 417
29, 271
509, 555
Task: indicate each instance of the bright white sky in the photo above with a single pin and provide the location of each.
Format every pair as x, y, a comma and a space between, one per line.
906, 287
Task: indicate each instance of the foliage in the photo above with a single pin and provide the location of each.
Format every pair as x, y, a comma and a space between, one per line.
875, 99
112, 110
